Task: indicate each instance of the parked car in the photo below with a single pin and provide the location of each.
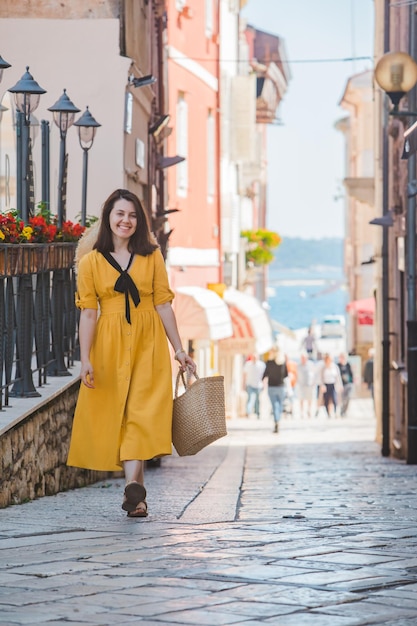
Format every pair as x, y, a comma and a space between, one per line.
333, 326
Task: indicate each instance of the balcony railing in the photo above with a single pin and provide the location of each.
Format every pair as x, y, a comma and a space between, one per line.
38, 318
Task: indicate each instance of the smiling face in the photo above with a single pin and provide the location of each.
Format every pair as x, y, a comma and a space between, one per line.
123, 219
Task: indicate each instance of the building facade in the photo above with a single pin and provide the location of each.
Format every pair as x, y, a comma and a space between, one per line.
361, 237
396, 267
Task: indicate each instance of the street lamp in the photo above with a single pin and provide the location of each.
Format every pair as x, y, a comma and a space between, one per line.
87, 127
396, 74
3, 66
64, 113
27, 94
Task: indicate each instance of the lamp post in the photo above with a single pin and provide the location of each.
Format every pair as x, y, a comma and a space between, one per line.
27, 94
64, 113
87, 127
396, 74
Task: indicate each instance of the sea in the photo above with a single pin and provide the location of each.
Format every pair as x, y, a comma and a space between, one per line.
297, 298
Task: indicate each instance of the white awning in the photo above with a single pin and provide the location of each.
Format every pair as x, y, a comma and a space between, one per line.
257, 316
201, 314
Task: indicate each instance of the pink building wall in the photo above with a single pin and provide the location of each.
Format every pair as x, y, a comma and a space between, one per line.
193, 72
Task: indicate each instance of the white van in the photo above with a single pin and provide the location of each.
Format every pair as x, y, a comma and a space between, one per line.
333, 326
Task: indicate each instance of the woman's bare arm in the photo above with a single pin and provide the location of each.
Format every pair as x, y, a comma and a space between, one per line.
87, 327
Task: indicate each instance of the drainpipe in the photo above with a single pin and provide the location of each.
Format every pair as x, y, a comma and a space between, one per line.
411, 278
385, 379
218, 118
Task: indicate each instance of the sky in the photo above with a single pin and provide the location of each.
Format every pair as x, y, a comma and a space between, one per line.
306, 153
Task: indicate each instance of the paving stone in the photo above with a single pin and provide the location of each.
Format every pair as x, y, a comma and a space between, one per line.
311, 619
370, 612
313, 527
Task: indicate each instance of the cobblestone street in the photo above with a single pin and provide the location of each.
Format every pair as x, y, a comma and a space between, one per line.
311, 526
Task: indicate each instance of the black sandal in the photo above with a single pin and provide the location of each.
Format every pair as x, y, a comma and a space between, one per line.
134, 494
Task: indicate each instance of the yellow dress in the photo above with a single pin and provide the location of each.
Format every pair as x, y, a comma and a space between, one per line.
127, 416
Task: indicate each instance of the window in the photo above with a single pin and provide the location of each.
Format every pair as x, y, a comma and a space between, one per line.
211, 144
209, 18
182, 144
140, 153
128, 113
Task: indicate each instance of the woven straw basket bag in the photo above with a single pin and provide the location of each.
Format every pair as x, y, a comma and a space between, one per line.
199, 415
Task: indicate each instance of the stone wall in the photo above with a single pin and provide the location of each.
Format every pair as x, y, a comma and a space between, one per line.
51, 9
33, 453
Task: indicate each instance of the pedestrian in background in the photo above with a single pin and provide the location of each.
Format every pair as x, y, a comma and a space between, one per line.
346, 375
276, 372
368, 372
309, 344
306, 383
253, 371
318, 366
331, 383
290, 385
124, 410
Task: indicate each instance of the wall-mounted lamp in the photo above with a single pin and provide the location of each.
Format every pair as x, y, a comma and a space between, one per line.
163, 162
385, 220
158, 125
149, 79
370, 261
396, 74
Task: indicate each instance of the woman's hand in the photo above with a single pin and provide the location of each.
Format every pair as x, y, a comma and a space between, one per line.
87, 374
186, 362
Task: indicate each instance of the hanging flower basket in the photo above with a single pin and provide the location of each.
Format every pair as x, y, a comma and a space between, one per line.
259, 246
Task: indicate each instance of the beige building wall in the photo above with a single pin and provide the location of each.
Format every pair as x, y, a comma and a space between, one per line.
83, 56
361, 237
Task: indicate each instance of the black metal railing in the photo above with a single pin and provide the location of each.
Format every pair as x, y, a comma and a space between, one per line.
38, 318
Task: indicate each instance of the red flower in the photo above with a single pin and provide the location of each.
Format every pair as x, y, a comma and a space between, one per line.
38, 230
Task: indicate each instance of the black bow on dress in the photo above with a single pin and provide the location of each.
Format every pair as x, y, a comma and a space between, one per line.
124, 284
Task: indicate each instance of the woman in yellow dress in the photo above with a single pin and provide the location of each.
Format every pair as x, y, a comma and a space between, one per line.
124, 409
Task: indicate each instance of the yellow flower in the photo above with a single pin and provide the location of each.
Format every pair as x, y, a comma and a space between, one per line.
27, 232
2, 235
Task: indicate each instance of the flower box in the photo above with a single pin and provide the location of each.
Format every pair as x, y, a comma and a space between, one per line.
32, 258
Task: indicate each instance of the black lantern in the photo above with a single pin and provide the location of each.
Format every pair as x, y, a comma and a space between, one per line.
27, 93
87, 127
3, 66
64, 114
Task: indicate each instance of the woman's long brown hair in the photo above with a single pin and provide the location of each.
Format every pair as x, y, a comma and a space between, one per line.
141, 242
